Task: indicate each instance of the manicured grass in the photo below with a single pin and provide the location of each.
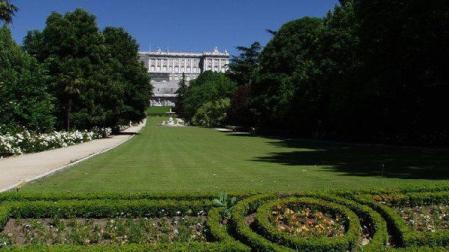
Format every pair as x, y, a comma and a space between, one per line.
191, 159
158, 110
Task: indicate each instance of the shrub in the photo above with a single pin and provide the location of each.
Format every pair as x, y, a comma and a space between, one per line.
212, 114
26, 141
219, 231
208, 87
107, 208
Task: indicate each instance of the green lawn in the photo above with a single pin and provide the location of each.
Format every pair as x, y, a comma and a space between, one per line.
191, 159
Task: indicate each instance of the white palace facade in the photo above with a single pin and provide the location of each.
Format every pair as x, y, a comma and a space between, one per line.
166, 69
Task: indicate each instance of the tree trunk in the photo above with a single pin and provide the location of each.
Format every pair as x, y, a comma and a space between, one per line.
67, 114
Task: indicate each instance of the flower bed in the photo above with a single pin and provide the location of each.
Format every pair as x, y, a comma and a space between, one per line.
79, 231
118, 221
344, 221
26, 142
341, 235
306, 221
431, 218
416, 218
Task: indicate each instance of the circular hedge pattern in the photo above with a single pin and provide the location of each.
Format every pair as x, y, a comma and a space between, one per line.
315, 243
251, 224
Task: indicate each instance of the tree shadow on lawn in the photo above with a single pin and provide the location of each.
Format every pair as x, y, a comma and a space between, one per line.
362, 160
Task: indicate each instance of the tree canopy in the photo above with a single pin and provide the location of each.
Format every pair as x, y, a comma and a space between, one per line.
24, 98
7, 11
95, 76
367, 71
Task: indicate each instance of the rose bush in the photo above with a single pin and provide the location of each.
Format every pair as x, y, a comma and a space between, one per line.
26, 141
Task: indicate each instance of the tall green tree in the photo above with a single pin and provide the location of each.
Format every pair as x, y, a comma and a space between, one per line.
181, 93
72, 49
7, 11
95, 76
24, 98
326, 84
243, 68
405, 78
281, 69
131, 82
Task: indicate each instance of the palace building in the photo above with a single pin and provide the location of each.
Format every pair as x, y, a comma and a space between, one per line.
166, 69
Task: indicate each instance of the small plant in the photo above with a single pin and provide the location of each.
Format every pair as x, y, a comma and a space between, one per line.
5, 241
226, 203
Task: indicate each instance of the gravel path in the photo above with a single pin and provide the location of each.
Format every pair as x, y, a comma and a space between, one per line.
15, 171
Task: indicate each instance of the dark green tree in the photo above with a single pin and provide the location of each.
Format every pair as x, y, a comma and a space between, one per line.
131, 88
405, 78
324, 95
24, 100
181, 93
281, 63
95, 76
72, 49
7, 11
243, 68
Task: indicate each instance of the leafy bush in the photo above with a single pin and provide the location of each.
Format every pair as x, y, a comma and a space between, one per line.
26, 141
208, 87
212, 114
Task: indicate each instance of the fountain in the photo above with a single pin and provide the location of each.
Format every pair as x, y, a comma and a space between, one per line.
173, 122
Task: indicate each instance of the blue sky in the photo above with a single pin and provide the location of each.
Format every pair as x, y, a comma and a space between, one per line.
188, 25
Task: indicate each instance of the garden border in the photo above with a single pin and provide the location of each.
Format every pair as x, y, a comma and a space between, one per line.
407, 237
346, 242
110, 208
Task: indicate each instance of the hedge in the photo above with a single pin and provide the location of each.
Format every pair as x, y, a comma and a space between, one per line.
220, 233
406, 236
244, 232
23, 196
237, 235
178, 247
379, 236
114, 208
106, 208
347, 242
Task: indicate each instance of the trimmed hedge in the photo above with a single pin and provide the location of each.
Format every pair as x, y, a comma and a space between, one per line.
106, 208
220, 232
19, 196
244, 232
176, 247
406, 236
379, 235
238, 235
248, 206
347, 242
